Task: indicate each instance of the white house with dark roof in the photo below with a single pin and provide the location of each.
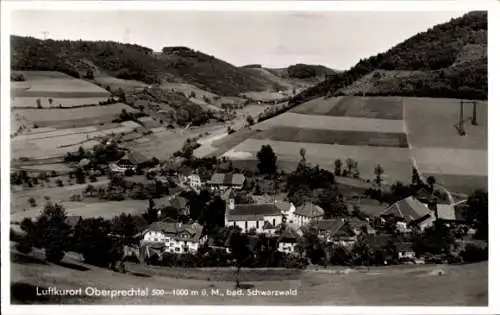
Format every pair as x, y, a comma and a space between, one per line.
174, 237
248, 216
305, 213
224, 181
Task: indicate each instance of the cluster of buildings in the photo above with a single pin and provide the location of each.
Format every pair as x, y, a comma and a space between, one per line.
287, 222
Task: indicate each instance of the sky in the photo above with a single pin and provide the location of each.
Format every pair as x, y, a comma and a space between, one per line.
274, 39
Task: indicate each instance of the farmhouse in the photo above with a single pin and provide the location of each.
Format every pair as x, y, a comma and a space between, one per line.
335, 231
224, 181
188, 178
305, 213
248, 216
175, 237
360, 226
410, 212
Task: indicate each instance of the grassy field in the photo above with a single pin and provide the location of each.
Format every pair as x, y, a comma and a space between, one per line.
333, 123
107, 210
431, 124
465, 184
389, 108
452, 161
72, 117
164, 143
465, 285
395, 161
56, 101
115, 83
333, 137
357, 127
53, 143
54, 84
20, 196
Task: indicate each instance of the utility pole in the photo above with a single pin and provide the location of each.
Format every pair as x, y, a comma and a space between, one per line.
474, 114
45, 34
461, 121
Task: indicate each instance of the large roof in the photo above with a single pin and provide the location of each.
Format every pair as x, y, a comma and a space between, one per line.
331, 226
227, 179
252, 212
453, 212
135, 157
176, 230
291, 232
309, 210
408, 209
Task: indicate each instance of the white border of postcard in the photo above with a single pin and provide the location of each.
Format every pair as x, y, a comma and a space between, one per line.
494, 78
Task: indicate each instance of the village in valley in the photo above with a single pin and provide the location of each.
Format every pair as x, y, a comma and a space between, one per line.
298, 177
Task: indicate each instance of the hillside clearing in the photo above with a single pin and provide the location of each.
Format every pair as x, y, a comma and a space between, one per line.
56, 101
54, 84
69, 117
387, 108
59, 142
116, 83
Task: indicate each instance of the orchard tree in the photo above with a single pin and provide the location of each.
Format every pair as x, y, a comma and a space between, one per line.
378, 173
350, 165
303, 155
338, 167
51, 232
267, 160
250, 120
239, 244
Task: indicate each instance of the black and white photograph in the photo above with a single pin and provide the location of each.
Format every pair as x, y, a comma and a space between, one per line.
245, 157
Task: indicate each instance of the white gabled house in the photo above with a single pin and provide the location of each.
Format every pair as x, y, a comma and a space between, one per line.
289, 238
247, 216
174, 237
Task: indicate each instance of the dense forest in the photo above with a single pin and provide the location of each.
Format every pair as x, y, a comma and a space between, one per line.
126, 61
303, 71
442, 52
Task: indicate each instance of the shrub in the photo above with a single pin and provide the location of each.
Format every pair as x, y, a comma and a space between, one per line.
129, 172
32, 201
473, 253
59, 182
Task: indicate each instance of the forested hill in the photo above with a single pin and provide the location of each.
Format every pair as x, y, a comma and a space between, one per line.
448, 60
126, 61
